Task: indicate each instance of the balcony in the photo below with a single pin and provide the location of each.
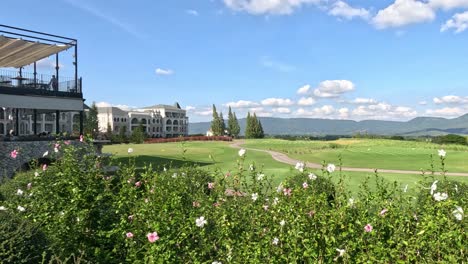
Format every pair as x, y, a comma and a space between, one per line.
23, 83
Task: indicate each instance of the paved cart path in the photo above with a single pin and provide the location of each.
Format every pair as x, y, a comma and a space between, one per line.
281, 157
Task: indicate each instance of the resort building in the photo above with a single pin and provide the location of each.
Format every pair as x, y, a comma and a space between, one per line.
34, 103
157, 120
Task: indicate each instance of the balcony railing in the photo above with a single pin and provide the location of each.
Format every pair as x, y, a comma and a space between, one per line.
11, 82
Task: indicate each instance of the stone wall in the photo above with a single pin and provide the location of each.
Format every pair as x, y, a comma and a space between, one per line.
27, 151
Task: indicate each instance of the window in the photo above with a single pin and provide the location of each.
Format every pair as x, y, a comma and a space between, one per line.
135, 121
168, 129
121, 119
176, 123
2, 129
2, 114
168, 122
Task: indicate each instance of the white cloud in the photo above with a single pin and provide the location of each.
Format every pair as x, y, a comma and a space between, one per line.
325, 110
277, 102
103, 104
360, 100
343, 113
384, 111
47, 64
451, 99
342, 9
192, 12
241, 104
304, 90
403, 12
190, 108
282, 110
274, 7
459, 22
305, 101
204, 113
333, 88
448, 4
422, 103
106, 104
447, 111
276, 65
160, 71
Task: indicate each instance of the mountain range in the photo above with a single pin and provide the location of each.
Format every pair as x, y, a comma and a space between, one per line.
419, 126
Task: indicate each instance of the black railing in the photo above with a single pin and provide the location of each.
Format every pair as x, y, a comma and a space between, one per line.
12, 82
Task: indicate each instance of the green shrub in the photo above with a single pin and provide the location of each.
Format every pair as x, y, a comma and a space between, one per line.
450, 139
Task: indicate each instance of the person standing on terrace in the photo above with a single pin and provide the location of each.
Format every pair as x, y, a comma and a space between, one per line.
53, 82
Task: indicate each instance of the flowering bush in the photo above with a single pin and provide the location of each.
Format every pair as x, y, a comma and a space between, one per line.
190, 215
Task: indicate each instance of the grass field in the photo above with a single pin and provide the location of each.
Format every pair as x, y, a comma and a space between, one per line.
219, 155
369, 153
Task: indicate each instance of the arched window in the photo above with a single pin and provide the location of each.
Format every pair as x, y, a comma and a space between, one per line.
176, 123
143, 121
135, 121
168, 122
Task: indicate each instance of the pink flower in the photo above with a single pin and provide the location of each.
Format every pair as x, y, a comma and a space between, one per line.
29, 186
196, 204
265, 207
13, 154
368, 228
210, 185
138, 183
152, 237
57, 145
81, 138
228, 174
287, 191
67, 142
311, 213
130, 235
217, 204
305, 185
385, 210
44, 167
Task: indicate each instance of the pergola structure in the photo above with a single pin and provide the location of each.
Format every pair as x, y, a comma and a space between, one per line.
25, 96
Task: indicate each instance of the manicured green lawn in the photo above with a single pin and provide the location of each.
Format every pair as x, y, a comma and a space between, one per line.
369, 153
224, 158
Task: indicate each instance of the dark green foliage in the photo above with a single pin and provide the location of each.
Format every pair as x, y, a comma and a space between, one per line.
138, 135
233, 125
254, 127
217, 124
223, 125
450, 139
21, 241
91, 123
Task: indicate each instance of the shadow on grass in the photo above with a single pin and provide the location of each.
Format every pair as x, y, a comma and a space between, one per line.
160, 162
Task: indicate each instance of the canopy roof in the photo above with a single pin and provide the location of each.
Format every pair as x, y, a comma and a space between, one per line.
18, 52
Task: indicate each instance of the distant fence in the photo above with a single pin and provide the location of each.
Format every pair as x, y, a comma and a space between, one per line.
193, 138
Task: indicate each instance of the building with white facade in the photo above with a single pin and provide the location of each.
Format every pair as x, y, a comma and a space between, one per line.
157, 120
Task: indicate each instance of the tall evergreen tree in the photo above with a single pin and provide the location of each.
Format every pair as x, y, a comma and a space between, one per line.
250, 127
223, 125
256, 126
235, 128
91, 123
230, 126
216, 125
261, 134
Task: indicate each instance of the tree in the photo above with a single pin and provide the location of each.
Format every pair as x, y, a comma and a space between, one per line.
223, 125
216, 124
109, 131
235, 128
123, 134
138, 135
261, 134
91, 123
250, 126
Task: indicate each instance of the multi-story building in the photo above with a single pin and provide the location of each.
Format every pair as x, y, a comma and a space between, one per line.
157, 120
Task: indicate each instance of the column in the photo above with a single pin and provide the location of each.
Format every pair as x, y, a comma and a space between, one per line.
57, 122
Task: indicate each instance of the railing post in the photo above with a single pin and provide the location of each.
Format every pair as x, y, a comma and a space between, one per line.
57, 122
35, 121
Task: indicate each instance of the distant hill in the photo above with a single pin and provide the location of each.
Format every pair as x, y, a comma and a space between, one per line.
319, 127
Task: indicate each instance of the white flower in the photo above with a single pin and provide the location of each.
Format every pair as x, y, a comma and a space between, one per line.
312, 176
165, 169
19, 192
442, 153
351, 201
174, 175
279, 188
254, 196
56, 150
275, 241
216, 262
251, 167
241, 152
2, 208
300, 166
36, 174
331, 168
282, 223
440, 196
275, 201
406, 188
433, 187
458, 213
200, 222
341, 252
21, 208
260, 177
45, 154
456, 188
305, 185
130, 150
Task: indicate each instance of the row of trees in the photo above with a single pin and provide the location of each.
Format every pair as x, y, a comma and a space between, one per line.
253, 128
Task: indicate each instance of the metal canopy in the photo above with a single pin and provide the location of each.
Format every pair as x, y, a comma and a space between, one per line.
18, 52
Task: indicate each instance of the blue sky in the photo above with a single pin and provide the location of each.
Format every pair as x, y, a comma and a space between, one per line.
391, 60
